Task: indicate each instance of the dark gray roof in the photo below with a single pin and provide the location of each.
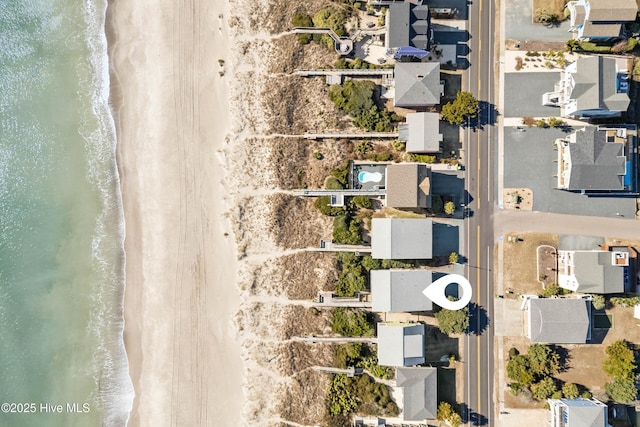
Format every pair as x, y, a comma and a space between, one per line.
401, 238
400, 290
420, 393
559, 320
417, 84
400, 344
408, 25
421, 133
613, 10
408, 185
596, 85
595, 163
596, 274
585, 413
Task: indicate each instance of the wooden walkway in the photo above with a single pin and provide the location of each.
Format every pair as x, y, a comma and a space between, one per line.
342, 135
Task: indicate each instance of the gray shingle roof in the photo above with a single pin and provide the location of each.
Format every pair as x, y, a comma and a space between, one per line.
596, 85
613, 10
400, 344
420, 393
400, 290
408, 25
595, 274
417, 84
595, 163
421, 133
559, 320
585, 413
401, 238
408, 185
597, 29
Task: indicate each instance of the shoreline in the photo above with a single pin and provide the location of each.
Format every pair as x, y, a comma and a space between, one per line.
171, 110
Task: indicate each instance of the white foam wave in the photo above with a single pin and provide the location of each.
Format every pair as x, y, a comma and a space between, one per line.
115, 390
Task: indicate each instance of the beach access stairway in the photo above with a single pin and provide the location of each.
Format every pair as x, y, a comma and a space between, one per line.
329, 299
336, 340
329, 246
350, 372
336, 75
310, 134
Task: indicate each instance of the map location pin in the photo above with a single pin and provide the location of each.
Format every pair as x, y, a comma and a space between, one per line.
436, 291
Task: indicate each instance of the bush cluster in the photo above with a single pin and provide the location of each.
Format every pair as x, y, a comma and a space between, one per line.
621, 366
354, 271
362, 394
352, 322
355, 97
534, 371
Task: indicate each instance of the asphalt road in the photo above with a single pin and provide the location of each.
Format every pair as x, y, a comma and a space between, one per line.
480, 144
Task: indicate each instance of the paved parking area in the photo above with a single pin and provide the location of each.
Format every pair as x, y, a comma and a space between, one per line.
529, 162
523, 94
518, 25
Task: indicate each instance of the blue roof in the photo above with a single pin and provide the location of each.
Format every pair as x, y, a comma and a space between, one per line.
410, 51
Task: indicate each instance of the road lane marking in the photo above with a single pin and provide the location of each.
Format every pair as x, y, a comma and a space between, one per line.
478, 321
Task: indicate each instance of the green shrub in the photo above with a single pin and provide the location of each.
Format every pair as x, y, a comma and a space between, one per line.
351, 322
422, 158
453, 258
380, 157
334, 18
513, 352
363, 147
355, 97
369, 263
542, 123
361, 202
598, 301
570, 391
322, 203
341, 173
437, 206
347, 230
398, 145
318, 155
332, 183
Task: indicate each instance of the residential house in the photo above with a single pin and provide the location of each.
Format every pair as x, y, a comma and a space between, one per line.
417, 84
419, 394
408, 25
600, 19
421, 133
400, 344
408, 185
399, 290
596, 271
594, 86
559, 320
401, 238
598, 160
578, 413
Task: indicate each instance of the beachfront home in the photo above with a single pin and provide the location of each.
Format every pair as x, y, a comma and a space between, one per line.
578, 413
417, 84
408, 25
600, 20
399, 290
408, 186
401, 238
421, 133
419, 393
594, 86
598, 160
596, 271
400, 344
558, 320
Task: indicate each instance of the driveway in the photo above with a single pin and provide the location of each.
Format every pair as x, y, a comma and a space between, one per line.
529, 162
518, 25
523, 94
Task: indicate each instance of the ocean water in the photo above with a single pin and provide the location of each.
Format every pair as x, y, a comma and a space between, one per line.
62, 358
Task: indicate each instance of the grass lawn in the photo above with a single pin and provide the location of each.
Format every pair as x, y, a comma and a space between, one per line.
551, 6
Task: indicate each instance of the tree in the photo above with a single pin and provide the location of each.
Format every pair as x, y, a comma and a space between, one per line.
519, 370
622, 390
543, 360
570, 391
572, 45
361, 202
347, 230
446, 413
302, 20
543, 389
351, 322
552, 289
620, 363
449, 208
436, 204
323, 204
454, 258
598, 301
555, 122
463, 107
453, 321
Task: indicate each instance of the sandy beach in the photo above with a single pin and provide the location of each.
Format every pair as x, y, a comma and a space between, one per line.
172, 113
